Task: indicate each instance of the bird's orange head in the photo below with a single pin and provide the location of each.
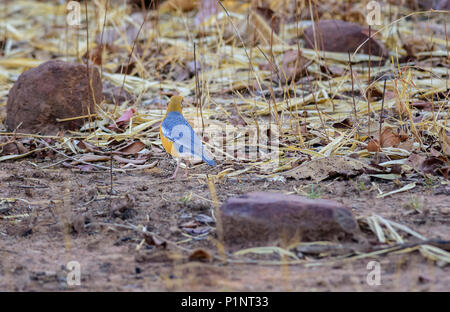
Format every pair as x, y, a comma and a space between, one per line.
175, 104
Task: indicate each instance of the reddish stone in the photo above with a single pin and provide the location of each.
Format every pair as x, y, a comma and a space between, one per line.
443, 5
54, 90
340, 36
420, 4
264, 219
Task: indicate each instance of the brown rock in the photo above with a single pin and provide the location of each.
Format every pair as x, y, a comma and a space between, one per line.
422, 4
262, 219
340, 36
54, 90
443, 5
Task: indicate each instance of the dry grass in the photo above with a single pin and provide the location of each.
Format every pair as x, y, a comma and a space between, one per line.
233, 82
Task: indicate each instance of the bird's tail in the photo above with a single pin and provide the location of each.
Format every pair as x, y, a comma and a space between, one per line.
206, 158
209, 161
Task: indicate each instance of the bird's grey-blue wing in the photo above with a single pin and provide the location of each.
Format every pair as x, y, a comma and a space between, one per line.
178, 130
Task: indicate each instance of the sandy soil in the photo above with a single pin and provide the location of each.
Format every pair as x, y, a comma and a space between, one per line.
35, 249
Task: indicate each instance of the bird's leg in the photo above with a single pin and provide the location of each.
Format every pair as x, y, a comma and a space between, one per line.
174, 176
186, 169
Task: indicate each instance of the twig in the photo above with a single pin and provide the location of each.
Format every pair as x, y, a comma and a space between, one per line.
368, 84
88, 58
242, 42
129, 61
101, 37
198, 92
353, 91
381, 121
77, 160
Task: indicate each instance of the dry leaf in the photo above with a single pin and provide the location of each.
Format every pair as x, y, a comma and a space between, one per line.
293, 65
198, 230
389, 138
174, 5
323, 168
427, 106
154, 241
126, 69
13, 148
83, 168
190, 224
432, 165
94, 55
407, 145
347, 123
200, 255
373, 146
126, 116
86, 146
434, 152
415, 160
132, 148
91, 158
129, 161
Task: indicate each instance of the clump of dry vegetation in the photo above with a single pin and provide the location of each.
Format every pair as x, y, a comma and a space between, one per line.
276, 90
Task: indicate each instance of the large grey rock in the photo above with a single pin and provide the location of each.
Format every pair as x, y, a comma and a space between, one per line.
262, 219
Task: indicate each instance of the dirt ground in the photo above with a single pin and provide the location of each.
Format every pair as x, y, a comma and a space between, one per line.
35, 246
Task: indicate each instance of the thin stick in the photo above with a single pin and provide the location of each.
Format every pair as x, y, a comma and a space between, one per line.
217, 217
110, 179
381, 112
198, 92
3, 42
129, 61
87, 39
111, 172
77, 160
77, 42
318, 111
66, 41
353, 92
90, 93
446, 48
253, 43
272, 95
101, 38
155, 5
368, 84
381, 121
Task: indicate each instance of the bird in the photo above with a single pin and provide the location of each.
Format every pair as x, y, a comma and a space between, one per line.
179, 139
